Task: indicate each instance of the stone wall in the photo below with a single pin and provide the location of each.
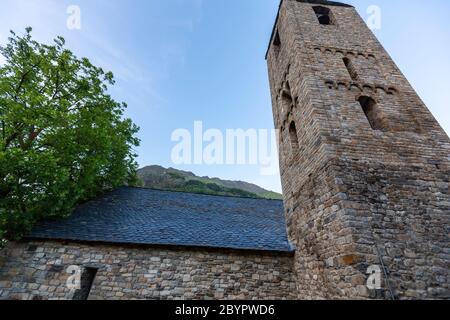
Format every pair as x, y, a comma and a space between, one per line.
38, 270
356, 196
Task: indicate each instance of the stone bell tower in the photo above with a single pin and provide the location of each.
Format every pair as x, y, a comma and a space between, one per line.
365, 167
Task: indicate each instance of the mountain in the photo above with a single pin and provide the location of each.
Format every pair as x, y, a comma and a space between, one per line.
157, 177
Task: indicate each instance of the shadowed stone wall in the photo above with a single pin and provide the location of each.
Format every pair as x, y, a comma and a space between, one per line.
356, 196
38, 270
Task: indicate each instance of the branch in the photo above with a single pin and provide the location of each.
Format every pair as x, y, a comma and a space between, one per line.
32, 136
22, 80
13, 136
56, 86
23, 77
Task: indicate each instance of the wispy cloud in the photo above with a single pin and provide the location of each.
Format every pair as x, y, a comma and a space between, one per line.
125, 69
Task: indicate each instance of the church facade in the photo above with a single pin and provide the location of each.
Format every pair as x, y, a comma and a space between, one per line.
138, 243
365, 172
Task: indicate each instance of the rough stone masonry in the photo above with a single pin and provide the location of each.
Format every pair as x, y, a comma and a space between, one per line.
365, 166
365, 172
37, 270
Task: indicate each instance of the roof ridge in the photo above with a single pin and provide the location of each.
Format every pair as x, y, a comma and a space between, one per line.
200, 194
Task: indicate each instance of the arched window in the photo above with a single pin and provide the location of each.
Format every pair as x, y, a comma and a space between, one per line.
370, 108
350, 68
324, 15
293, 138
286, 98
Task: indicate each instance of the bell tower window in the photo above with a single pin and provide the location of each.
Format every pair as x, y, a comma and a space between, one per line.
324, 15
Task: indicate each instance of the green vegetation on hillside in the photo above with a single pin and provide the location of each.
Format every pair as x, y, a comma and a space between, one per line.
176, 180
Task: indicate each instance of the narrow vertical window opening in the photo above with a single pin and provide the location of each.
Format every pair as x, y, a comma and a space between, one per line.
294, 138
351, 69
277, 43
86, 282
371, 111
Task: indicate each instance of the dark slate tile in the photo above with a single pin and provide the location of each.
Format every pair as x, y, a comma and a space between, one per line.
153, 217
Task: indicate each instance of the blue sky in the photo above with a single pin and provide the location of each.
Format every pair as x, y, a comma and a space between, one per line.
178, 61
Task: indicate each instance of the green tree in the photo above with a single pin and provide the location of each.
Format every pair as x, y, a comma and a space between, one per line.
63, 139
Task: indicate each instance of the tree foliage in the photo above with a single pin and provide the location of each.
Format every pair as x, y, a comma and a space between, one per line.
63, 138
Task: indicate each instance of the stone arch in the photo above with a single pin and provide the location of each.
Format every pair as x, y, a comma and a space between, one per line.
341, 85
355, 86
368, 88
329, 84
287, 102
380, 90
391, 91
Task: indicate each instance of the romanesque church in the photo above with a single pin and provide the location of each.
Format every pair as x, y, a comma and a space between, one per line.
365, 171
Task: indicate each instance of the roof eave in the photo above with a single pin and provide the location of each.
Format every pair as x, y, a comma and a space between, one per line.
289, 250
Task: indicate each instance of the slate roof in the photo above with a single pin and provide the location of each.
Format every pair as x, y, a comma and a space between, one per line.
153, 217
